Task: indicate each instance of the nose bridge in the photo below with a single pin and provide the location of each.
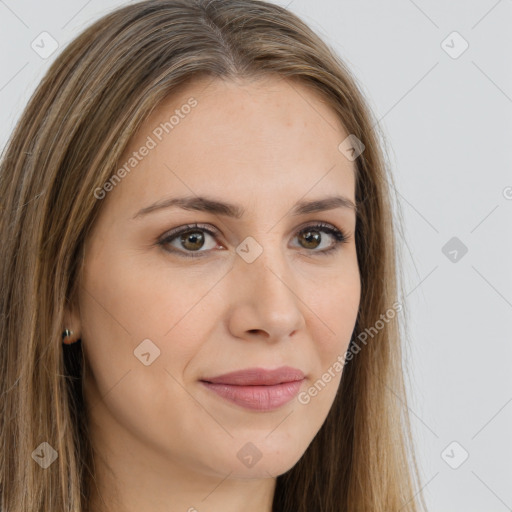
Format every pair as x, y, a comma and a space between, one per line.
265, 284
263, 261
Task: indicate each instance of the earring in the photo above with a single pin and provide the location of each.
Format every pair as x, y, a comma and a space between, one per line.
66, 333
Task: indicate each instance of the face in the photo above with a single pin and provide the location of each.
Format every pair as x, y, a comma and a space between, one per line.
173, 296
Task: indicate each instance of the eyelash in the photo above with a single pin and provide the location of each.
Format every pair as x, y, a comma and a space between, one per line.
340, 237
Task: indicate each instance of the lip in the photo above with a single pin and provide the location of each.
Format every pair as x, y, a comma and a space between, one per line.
258, 376
257, 388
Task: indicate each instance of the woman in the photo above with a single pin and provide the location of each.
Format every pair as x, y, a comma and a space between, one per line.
199, 284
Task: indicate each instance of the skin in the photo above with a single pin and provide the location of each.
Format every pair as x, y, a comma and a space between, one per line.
163, 441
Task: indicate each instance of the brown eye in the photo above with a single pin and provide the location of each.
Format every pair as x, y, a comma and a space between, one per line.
189, 240
311, 238
192, 240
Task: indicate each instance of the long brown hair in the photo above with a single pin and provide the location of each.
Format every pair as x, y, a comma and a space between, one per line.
68, 143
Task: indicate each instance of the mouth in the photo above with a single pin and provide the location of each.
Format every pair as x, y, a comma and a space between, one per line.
261, 398
257, 388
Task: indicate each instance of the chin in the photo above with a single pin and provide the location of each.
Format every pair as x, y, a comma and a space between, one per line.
257, 460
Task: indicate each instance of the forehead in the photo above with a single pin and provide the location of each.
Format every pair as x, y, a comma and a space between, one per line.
270, 138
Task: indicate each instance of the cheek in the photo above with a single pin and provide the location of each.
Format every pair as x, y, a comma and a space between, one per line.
332, 313
123, 304
336, 306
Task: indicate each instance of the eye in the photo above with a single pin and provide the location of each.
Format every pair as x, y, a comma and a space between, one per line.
313, 239
190, 237
188, 240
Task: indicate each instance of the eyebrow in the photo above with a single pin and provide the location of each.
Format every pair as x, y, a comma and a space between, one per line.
205, 204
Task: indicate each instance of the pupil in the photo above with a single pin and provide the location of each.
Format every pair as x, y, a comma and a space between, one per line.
195, 237
312, 237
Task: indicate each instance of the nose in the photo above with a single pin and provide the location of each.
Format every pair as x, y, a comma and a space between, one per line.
266, 301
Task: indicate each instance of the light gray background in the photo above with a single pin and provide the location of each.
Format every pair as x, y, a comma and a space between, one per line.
448, 122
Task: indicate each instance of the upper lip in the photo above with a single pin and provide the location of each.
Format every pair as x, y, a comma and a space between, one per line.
258, 376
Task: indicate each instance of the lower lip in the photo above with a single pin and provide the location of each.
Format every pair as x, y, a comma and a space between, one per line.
260, 398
